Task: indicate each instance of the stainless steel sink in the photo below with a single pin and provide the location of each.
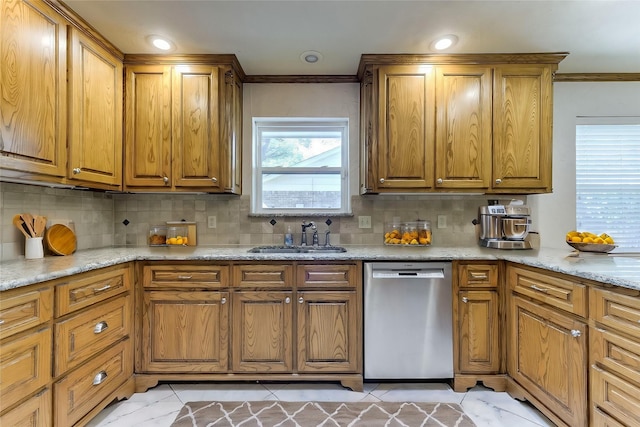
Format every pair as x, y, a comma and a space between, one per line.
297, 249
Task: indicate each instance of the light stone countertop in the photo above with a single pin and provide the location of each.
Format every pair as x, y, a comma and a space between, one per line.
614, 270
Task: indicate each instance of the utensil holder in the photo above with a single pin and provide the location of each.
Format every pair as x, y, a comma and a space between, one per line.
33, 248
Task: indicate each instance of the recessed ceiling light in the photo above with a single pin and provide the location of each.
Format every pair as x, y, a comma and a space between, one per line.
160, 42
311, 57
444, 42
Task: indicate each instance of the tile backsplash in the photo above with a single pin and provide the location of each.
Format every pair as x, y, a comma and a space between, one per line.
107, 219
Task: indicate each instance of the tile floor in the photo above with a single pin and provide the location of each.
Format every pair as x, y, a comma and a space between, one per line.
159, 406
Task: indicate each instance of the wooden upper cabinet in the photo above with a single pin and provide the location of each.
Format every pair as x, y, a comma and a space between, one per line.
95, 119
148, 126
33, 104
463, 130
406, 119
196, 126
522, 122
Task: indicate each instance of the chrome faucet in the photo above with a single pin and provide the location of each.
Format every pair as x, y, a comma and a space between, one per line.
303, 241
327, 242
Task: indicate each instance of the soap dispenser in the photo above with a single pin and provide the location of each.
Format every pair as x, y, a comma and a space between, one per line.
288, 238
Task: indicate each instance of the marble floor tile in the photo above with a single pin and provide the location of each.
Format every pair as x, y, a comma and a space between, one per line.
159, 406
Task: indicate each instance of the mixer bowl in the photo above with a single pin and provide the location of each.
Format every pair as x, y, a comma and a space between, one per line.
515, 228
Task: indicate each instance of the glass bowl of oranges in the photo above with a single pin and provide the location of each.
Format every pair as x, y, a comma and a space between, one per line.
586, 241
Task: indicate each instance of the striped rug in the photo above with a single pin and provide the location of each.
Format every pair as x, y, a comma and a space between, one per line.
327, 414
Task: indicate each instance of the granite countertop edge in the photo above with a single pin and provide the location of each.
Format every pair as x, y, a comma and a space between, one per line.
616, 271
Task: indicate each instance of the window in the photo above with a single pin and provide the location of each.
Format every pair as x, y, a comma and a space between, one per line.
300, 166
608, 178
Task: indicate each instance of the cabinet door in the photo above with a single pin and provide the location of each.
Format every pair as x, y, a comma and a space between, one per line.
231, 139
95, 142
185, 331
262, 331
196, 127
406, 120
463, 130
548, 358
522, 128
328, 331
148, 126
33, 77
479, 326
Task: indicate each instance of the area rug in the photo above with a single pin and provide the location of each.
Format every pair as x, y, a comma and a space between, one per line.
326, 414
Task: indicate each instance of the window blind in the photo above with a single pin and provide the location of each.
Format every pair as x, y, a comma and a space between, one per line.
608, 181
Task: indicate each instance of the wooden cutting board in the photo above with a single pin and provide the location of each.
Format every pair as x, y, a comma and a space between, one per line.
60, 239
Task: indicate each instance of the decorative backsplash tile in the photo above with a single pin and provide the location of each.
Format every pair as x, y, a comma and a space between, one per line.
105, 219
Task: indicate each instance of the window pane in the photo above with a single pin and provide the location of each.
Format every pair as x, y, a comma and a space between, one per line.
285, 150
301, 191
608, 181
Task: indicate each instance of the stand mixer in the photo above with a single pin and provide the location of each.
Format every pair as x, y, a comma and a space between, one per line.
503, 227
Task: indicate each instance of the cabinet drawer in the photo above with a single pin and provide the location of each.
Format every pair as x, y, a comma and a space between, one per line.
87, 289
185, 276
478, 275
600, 419
25, 366
91, 331
561, 293
615, 353
21, 310
80, 391
35, 412
618, 311
615, 396
263, 275
332, 275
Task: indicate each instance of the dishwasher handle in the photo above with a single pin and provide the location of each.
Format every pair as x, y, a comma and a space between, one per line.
408, 274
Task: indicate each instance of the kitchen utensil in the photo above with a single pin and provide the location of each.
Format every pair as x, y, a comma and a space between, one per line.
60, 239
20, 225
592, 247
28, 220
39, 224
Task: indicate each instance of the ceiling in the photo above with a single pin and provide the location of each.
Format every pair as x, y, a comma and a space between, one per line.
268, 37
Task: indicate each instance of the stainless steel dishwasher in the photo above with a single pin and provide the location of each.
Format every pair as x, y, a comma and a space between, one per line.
408, 331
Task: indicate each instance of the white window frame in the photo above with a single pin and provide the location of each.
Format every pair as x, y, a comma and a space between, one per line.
611, 221
260, 124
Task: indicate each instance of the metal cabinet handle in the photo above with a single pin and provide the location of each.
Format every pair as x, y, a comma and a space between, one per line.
381, 180
102, 289
223, 300
184, 277
575, 333
300, 300
165, 179
76, 171
465, 300
539, 289
214, 179
477, 275
1, 321
287, 300
99, 378
439, 181
100, 327
498, 181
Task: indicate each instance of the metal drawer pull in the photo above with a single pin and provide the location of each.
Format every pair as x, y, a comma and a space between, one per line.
99, 378
185, 277
575, 333
1, 321
287, 300
223, 300
300, 300
104, 288
536, 288
100, 327
476, 275
465, 300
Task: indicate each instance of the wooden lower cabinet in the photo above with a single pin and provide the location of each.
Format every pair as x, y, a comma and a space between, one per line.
547, 358
262, 331
35, 412
327, 331
479, 325
185, 331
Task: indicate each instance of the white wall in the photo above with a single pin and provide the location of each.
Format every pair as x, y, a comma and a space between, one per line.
554, 214
302, 100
